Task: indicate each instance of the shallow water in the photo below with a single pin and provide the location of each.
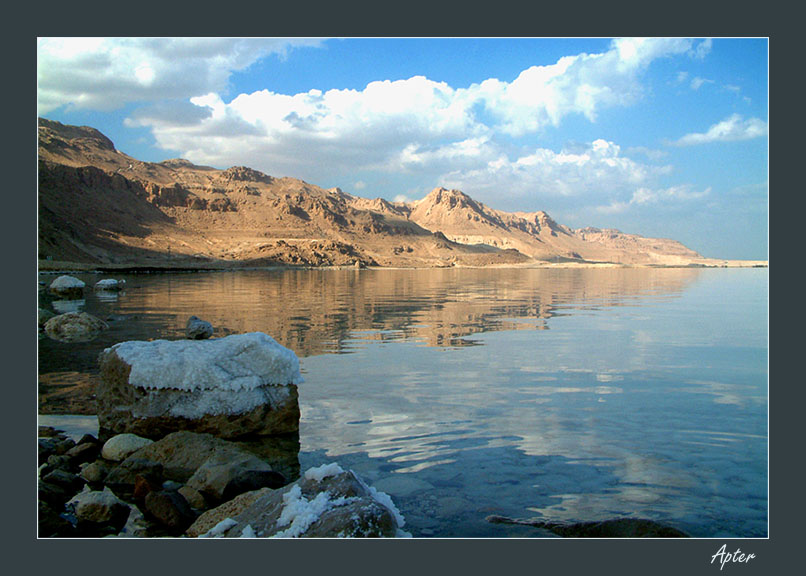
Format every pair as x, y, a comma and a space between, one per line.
565, 394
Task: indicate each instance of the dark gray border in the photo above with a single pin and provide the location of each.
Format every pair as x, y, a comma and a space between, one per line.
587, 18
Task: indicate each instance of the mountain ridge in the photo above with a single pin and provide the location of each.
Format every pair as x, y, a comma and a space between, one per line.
98, 205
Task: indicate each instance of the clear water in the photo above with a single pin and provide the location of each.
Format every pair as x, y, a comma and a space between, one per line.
569, 395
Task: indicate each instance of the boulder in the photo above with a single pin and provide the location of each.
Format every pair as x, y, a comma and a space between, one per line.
99, 512
170, 509
224, 476
74, 327
121, 446
110, 284
123, 478
234, 387
326, 502
67, 481
83, 452
67, 287
610, 528
193, 497
181, 454
95, 472
53, 495
198, 329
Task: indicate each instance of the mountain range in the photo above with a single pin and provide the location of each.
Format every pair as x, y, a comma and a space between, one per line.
100, 207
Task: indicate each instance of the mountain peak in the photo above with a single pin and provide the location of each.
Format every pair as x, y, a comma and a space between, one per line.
51, 131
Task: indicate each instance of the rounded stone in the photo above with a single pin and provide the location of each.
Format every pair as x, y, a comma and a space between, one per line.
67, 287
119, 447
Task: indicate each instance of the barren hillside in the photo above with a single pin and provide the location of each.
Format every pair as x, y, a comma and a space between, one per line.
98, 205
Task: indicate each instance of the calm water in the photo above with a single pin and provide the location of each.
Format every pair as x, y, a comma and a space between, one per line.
565, 394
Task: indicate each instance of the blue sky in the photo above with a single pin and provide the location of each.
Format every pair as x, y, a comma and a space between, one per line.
660, 136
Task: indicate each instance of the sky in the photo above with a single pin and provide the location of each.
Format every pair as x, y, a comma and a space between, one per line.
663, 137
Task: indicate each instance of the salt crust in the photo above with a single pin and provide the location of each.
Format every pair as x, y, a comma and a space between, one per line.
235, 363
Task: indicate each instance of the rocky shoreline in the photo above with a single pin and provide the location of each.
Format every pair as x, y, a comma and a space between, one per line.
188, 484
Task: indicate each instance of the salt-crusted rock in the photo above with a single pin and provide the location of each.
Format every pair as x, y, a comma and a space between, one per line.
67, 287
326, 502
121, 446
198, 329
238, 386
74, 327
110, 284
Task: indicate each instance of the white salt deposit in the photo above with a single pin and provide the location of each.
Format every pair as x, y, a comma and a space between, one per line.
321, 472
300, 512
216, 402
218, 530
237, 362
384, 500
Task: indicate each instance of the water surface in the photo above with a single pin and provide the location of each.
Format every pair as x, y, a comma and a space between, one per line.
571, 395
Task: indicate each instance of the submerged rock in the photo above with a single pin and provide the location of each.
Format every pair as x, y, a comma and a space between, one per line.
198, 329
110, 284
67, 287
238, 386
326, 502
612, 528
74, 327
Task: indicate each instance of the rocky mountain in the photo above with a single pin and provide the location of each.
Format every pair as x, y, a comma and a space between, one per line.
100, 206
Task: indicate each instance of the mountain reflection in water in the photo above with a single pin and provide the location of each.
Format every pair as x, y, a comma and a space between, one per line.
575, 394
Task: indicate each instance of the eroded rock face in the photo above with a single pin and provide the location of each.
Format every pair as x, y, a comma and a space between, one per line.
325, 502
74, 327
234, 387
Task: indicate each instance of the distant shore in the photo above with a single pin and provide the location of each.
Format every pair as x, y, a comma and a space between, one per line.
54, 266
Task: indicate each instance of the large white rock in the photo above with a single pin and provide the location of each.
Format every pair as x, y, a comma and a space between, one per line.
244, 384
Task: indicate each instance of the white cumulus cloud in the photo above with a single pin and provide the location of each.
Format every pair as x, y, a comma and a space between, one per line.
404, 125
731, 129
645, 196
107, 73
